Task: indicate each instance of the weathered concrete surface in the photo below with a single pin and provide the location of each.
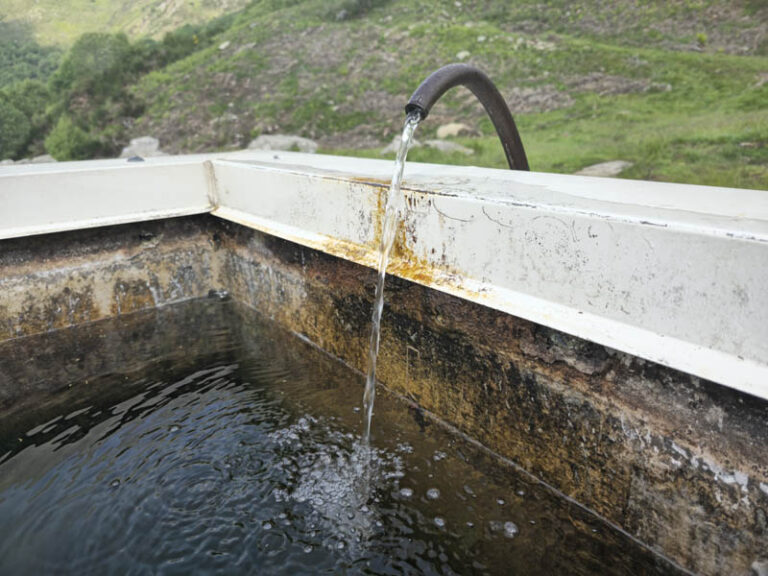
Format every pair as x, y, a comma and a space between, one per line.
60, 280
676, 461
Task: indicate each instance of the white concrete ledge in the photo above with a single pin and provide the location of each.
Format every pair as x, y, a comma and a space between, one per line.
675, 274
45, 198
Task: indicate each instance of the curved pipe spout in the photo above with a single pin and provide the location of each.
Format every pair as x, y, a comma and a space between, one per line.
439, 82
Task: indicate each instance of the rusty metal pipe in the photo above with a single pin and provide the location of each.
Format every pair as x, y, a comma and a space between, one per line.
442, 80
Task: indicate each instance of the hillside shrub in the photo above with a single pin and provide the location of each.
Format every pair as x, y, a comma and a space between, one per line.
21, 57
14, 129
97, 65
67, 141
350, 9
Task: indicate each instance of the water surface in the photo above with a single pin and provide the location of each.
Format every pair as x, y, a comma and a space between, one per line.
238, 451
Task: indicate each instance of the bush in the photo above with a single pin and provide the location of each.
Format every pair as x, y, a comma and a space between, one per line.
67, 141
183, 41
21, 56
31, 97
349, 9
97, 65
14, 130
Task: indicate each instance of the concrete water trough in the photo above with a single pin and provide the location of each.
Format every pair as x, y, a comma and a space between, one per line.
609, 336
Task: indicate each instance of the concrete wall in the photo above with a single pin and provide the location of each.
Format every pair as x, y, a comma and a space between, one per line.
679, 462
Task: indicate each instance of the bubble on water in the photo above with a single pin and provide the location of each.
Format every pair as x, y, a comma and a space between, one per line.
280, 495
335, 475
433, 493
469, 490
266, 525
510, 529
282, 515
356, 409
115, 483
340, 545
438, 455
404, 448
439, 521
406, 492
307, 549
500, 501
470, 524
521, 492
174, 428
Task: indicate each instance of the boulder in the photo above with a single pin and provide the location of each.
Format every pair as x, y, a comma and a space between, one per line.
445, 146
452, 130
605, 169
146, 147
283, 142
760, 566
394, 146
42, 159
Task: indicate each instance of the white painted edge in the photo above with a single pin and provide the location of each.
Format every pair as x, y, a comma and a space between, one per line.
54, 227
70, 196
730, 214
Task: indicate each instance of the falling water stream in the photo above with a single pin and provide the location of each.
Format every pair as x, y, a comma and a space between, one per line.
392, 216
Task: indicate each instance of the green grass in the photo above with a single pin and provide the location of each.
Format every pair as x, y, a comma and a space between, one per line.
703, 149
711, 128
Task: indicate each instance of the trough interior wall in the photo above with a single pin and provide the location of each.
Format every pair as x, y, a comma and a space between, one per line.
678, 462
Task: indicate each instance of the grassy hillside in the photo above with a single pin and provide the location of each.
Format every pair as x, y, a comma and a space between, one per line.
678, 87
60, 22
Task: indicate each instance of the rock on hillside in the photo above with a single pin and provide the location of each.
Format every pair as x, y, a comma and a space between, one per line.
144, 146
605, 169
283, 142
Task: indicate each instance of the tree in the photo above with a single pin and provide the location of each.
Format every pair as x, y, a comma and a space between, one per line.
14, 129
97, 65
67, 141
31, 98
92, 101
21, 56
